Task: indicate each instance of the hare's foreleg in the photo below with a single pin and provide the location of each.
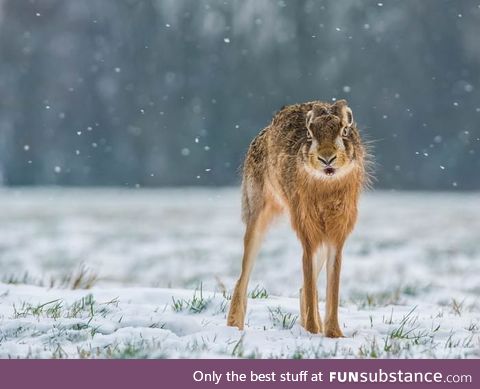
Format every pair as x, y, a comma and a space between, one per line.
321, 257
309, 294
334, 263
256, 227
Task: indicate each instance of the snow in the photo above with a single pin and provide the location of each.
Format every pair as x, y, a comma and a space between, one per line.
167, 260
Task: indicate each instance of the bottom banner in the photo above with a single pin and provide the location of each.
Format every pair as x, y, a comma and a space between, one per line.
200, 374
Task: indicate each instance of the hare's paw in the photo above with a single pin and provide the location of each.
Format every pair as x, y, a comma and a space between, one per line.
236, 315
235, 320
333, 332
312, 326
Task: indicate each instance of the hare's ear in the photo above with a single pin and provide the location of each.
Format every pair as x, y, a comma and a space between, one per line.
348, 116
343, 111
310, 117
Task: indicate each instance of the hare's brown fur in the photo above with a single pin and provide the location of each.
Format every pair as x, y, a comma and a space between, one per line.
309, 162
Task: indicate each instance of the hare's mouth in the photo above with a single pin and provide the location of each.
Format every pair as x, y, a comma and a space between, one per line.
329, 171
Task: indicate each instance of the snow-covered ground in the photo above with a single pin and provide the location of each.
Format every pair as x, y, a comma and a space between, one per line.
159, 266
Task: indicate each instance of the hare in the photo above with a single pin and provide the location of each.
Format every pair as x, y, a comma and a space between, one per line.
310, 162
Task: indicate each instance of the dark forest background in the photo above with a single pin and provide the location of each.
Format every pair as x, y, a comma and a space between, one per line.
170, 92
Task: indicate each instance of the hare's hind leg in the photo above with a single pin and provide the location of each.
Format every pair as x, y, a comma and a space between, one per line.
257, 223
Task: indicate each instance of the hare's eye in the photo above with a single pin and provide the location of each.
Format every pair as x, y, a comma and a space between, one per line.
346, 131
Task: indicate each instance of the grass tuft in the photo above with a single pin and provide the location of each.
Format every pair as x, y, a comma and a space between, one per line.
369, 350
196, 304
457, 306
285, 320
81, 278
238, 350
258, 293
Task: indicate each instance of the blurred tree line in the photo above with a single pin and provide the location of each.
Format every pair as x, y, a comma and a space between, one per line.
170, 92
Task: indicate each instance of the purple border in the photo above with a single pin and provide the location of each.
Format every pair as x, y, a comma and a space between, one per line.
119, 374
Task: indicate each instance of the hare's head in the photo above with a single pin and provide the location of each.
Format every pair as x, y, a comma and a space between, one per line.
334, 146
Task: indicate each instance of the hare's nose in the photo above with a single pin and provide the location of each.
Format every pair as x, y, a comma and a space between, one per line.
328, 161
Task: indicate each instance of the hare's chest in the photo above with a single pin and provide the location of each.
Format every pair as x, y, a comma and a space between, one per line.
332, 217
331, 211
